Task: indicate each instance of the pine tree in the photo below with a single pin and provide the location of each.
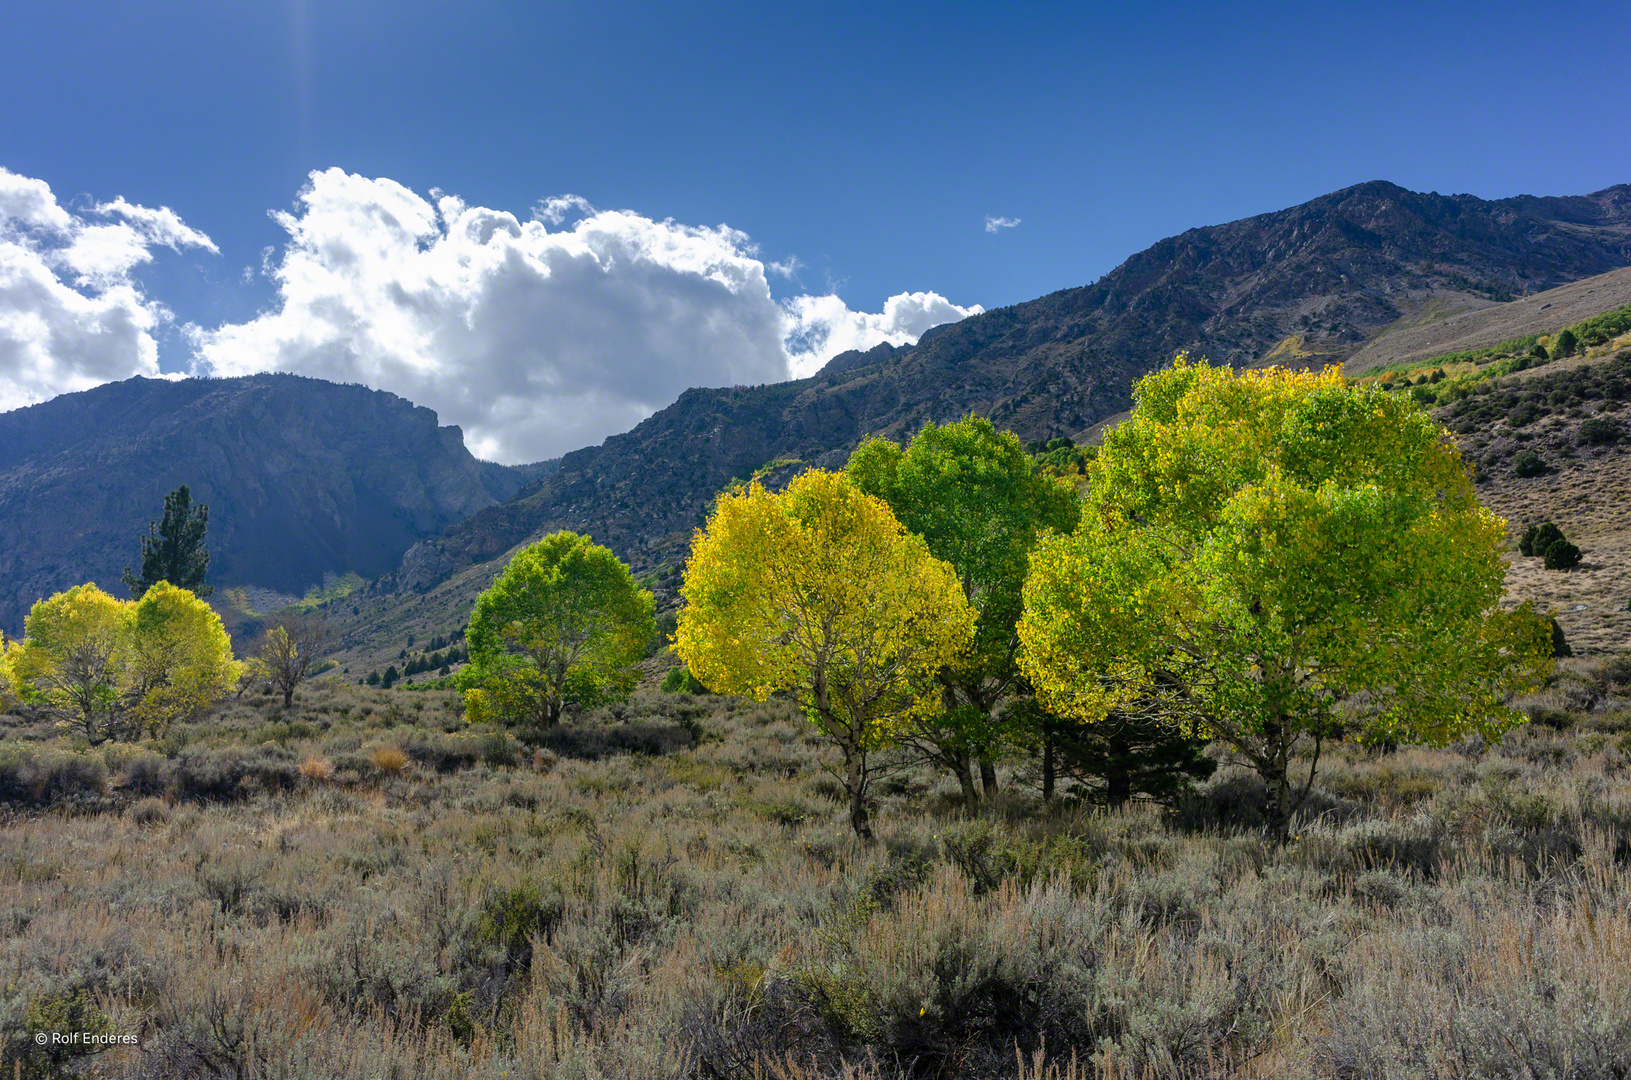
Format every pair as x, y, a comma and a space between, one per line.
173, 549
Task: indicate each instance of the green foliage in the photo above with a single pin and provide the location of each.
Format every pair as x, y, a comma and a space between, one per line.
10, 688
1127, 756
1537, 538
1528, 464
1546, 541
819, 590
564, 623
1272, 556
1564, 344
110, 668
179, 658
679, 680
1560, 644
980, 503
1599, 431
173, 549
1562, 555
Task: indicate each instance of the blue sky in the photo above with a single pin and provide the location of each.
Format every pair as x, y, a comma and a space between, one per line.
869, 144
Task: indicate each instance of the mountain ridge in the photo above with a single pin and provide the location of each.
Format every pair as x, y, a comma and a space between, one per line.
304, 478
1059, 363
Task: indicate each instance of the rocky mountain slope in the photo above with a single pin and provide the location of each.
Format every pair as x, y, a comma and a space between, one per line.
1308, 285
303, 478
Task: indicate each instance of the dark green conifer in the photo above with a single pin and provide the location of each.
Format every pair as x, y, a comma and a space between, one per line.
173, 549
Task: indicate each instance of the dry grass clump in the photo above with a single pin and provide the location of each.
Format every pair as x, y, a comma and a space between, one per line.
388, 759
317, 768
700, 909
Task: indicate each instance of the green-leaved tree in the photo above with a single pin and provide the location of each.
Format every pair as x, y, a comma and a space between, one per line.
980, 503
1275, 557
564, 623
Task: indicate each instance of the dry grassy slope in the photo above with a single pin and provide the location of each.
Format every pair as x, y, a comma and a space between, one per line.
1589, 503
1544, 312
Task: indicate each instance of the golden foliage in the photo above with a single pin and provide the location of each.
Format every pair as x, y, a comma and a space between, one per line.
818, 590
111, 666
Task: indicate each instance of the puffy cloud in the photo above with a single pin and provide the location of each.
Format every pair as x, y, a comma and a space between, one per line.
535, 340
70, 316
997, 224
820, 327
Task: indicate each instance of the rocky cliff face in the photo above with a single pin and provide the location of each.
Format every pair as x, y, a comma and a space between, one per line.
1305, 286
302, 477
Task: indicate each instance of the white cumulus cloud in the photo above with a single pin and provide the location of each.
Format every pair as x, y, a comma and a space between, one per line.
997, 224
536, 340
818, 328
71, 317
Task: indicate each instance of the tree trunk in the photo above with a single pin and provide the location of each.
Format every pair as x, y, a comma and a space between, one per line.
965, 779
988, 777
1047, 765
288, 696
1273, 771
855, 783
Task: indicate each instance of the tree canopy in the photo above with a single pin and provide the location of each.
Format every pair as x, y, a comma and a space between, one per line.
180, 657
110, 667
564, 623
173, 549
1275, 557
289, 650
980, 504
819, 590
10, 651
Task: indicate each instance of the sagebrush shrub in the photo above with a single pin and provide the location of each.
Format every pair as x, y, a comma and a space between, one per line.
1527, 464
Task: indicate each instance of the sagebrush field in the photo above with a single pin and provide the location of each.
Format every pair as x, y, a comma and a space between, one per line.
364, 886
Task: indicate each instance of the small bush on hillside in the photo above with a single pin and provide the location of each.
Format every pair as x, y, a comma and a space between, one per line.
1599, 431
150, 812
1562, 556
42, 777
1537, 538
235, 772
679, 680
1528, 464
1560, 644
149, 774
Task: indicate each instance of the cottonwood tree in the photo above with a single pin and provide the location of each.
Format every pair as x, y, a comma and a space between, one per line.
110, 667
73, 660
980, 504
9, 689
1277, 557
289, 651
179, 660
173, 549
564, 623
819, 590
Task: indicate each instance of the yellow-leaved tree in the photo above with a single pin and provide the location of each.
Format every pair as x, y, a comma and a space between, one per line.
1276, 557
9, 652
75, 653
180, 658
820, 591
110, 668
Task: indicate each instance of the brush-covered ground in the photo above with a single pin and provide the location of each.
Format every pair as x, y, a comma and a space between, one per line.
363, 887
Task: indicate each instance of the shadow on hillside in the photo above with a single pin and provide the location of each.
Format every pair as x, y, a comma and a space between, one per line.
591, 742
